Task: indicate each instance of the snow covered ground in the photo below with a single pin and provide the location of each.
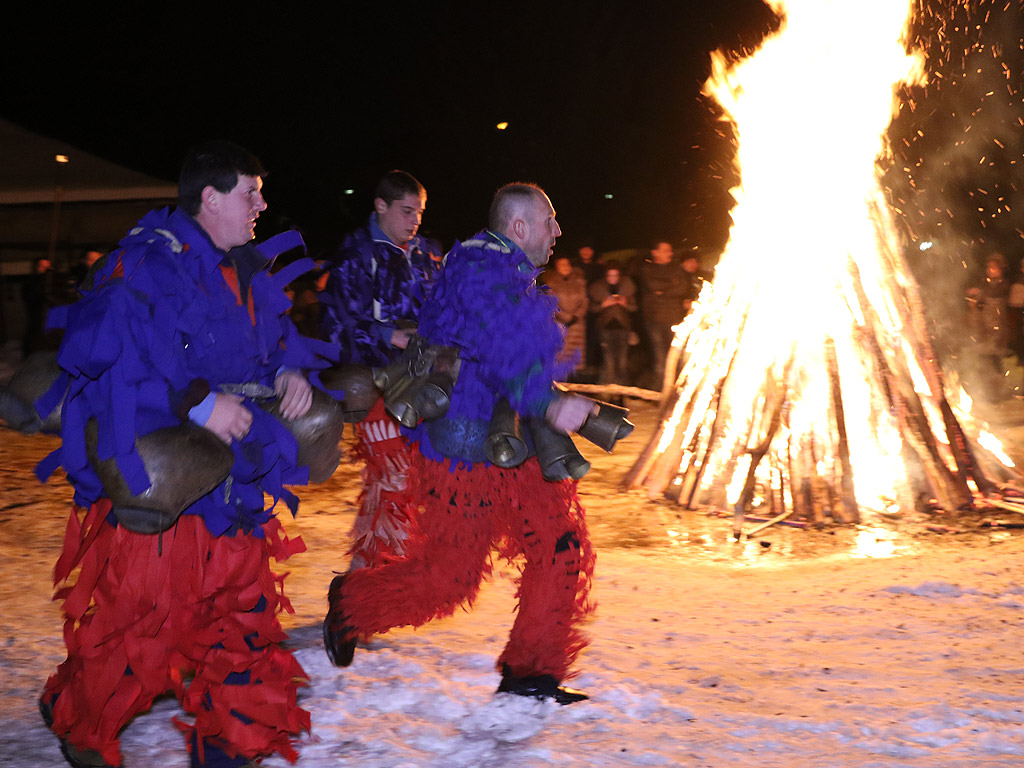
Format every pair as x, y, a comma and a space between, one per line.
859, 647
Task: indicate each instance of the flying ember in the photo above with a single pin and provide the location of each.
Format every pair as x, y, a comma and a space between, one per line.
807, 382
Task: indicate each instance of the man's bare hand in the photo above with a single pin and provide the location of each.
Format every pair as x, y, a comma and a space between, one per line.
567, 412
400, 337
295, 394
230, 419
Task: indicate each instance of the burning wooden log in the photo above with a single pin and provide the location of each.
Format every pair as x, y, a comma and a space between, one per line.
808, 382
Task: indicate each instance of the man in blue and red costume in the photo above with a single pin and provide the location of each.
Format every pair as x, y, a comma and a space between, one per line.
487, 304
378, 280
183, 322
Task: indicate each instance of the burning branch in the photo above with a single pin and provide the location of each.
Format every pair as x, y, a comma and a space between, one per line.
860, 391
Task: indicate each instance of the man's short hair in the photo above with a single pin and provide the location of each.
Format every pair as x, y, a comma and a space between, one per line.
510, 201
216, 164
394, 185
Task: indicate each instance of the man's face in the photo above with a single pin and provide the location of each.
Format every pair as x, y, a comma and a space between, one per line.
586, 254
690, 264
542, 230
237, 212
400, 219
662, 254
612, 277
563, 267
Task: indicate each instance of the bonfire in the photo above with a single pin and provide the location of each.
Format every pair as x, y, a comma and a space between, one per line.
807, 384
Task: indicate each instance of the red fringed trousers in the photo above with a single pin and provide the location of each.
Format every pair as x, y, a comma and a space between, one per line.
386, 504
464, 514
147, 612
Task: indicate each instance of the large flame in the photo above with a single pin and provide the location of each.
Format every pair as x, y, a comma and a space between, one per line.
806, 304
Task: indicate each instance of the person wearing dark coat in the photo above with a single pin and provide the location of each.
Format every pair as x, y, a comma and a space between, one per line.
612, 303
666, 290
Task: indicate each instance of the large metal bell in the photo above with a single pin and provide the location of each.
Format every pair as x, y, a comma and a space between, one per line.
31, 380
388, 375
607, 426
418, 385
559, 459
184, 463
505, 446
318, 433
425, 398
357, 382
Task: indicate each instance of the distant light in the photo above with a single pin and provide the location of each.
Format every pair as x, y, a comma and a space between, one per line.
926, 245
501, 126
609, 197
350, 191
61, 158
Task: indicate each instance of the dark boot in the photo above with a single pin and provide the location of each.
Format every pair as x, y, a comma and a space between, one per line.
539, 687
77, 758
339, 637
215, 757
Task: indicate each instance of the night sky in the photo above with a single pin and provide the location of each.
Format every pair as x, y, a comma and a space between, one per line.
602, 98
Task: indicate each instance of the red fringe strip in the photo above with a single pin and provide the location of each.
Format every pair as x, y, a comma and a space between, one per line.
464, 513
145, 614
387, 507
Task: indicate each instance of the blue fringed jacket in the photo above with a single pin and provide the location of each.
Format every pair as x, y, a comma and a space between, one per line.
166, 315
487, 304
373, 288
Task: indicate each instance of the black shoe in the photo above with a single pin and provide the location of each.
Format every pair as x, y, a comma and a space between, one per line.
215, 757
539, 687
46, 710
339, 638
77, 758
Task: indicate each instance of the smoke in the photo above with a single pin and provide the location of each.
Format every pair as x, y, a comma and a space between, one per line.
957, 143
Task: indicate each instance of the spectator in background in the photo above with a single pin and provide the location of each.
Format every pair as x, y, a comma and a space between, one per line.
691, 266
593, 271
569, 287
306, 310
592, 268
38, 291
81, 269
612, 303
1015, 304
988, 307
666, 290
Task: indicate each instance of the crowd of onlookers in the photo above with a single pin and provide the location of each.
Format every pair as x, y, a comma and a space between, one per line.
46, 287
618, 311
619, 314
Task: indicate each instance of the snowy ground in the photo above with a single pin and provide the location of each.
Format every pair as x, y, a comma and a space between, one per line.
860, 647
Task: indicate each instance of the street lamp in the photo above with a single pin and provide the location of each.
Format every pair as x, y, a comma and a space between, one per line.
58, 195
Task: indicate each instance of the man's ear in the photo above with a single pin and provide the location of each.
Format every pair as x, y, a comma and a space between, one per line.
379, 205
209, 199
519, 228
